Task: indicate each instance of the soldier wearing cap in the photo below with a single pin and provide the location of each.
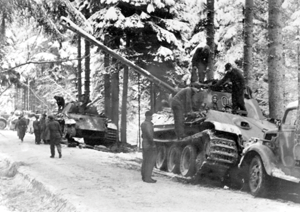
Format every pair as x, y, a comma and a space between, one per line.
149, 149
55, 136
238, 84
22, 126
37, 130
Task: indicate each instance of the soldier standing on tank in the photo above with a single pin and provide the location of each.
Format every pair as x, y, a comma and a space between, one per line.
238, 84
55, 136
149, 149
182, 104
60, 101
200, 62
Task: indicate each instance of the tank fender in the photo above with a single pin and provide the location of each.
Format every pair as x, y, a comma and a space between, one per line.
266, 154
112, 125
70, 121
226, 127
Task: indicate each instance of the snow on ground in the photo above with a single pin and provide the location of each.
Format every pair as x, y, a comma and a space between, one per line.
91, 181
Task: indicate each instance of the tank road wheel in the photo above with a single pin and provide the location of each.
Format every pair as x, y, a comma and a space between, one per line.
188, 161
161, 159
258, 178
174, 158
200, 160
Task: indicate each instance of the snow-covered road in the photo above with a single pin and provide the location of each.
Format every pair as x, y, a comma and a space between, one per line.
91, 181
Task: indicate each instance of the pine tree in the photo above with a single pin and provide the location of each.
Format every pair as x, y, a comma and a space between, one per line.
275, 68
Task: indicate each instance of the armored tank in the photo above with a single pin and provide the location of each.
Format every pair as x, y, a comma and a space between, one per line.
94, 128
214, 136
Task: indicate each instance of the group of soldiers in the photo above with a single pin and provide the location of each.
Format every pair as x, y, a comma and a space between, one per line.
45, 128
39, 128
181, 104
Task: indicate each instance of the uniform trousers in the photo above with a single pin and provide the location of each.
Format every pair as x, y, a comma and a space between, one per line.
55, 142
238, 99
149, 158
177, 109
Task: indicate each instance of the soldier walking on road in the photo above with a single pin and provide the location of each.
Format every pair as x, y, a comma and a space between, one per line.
149, 149
17, 127
43, 128
37, 130
22, 127
55, 136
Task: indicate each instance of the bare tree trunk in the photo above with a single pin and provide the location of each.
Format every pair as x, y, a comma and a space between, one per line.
24, 98
283, 76
87, 73
3, 26
124, 106
107, 87
124, 98
87, 61
210, 37
152, 97
79, 70
275, 68
248, 40
297, 134
115, 94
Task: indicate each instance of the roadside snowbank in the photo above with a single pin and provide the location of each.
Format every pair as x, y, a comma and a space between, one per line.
91, 181
21, 192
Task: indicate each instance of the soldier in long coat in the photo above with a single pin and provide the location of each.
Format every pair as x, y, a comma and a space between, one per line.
22, 127
43, 128
149, 149
55, 136
37, 130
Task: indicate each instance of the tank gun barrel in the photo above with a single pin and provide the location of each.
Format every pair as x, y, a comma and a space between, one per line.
73, 27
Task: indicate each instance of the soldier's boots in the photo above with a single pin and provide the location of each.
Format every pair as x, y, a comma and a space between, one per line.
149, 181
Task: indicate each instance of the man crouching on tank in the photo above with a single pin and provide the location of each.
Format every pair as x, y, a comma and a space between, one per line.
238, 85
182, 104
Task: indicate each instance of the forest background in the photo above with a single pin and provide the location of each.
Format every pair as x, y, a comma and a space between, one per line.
40, 59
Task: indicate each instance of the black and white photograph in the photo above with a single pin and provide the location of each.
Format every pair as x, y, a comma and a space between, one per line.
149, 105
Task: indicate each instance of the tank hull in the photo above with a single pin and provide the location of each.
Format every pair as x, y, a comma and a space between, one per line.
95, 129
214, 137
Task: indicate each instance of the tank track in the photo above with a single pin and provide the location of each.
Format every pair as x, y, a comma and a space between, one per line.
111, 135
222, 151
